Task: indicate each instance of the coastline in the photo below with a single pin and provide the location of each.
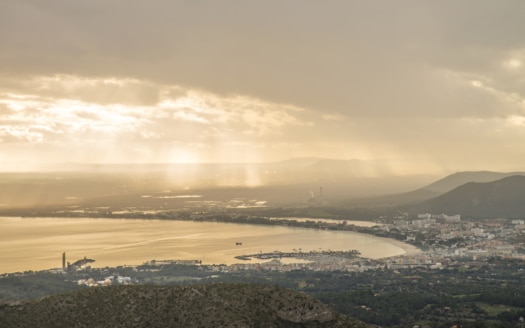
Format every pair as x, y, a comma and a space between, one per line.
403, 248
408, 248
114, 242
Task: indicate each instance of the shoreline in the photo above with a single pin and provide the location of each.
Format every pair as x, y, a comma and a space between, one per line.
403, 248
408, 248
120, 241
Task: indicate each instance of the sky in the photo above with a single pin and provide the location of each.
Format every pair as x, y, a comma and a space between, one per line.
424, 87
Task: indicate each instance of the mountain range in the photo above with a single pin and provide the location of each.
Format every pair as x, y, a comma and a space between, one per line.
313, 181
501, 198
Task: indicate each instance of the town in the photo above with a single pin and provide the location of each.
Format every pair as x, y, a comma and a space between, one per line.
454, 270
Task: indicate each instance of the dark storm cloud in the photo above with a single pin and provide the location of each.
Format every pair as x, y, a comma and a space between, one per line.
359, 58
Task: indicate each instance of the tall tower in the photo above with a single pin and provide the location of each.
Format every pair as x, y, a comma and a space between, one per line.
64, 261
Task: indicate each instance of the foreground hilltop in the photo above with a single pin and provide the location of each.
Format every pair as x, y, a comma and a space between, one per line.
213, 305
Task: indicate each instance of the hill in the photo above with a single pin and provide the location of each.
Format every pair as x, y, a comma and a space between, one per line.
214, 305
501, 198
436, 188
457, 179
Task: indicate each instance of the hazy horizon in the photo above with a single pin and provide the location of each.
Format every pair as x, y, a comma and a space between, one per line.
422, 87
366, 169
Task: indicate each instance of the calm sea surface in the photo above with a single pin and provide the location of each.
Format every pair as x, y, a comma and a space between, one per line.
38, 243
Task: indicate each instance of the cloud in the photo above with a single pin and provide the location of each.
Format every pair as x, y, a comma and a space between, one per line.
335, 56
219, 80
62, 116
333, 117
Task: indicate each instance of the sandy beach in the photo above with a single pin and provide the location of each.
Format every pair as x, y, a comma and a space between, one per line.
408, 248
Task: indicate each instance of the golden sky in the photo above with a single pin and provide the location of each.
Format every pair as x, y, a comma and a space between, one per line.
422, 86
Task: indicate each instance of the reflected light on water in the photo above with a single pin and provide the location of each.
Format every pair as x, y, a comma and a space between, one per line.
38, 243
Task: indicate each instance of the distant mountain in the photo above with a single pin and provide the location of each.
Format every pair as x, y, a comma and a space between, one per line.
214, 305
295, 170
457, 179
500, 198
437, 188
351, 167
286, 182
395, 200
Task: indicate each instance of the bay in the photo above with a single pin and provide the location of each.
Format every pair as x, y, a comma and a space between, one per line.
38, 243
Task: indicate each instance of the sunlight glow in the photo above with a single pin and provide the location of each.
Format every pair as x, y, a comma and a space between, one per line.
65, 116
182, 156
476, 84
516, 120
513, 64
